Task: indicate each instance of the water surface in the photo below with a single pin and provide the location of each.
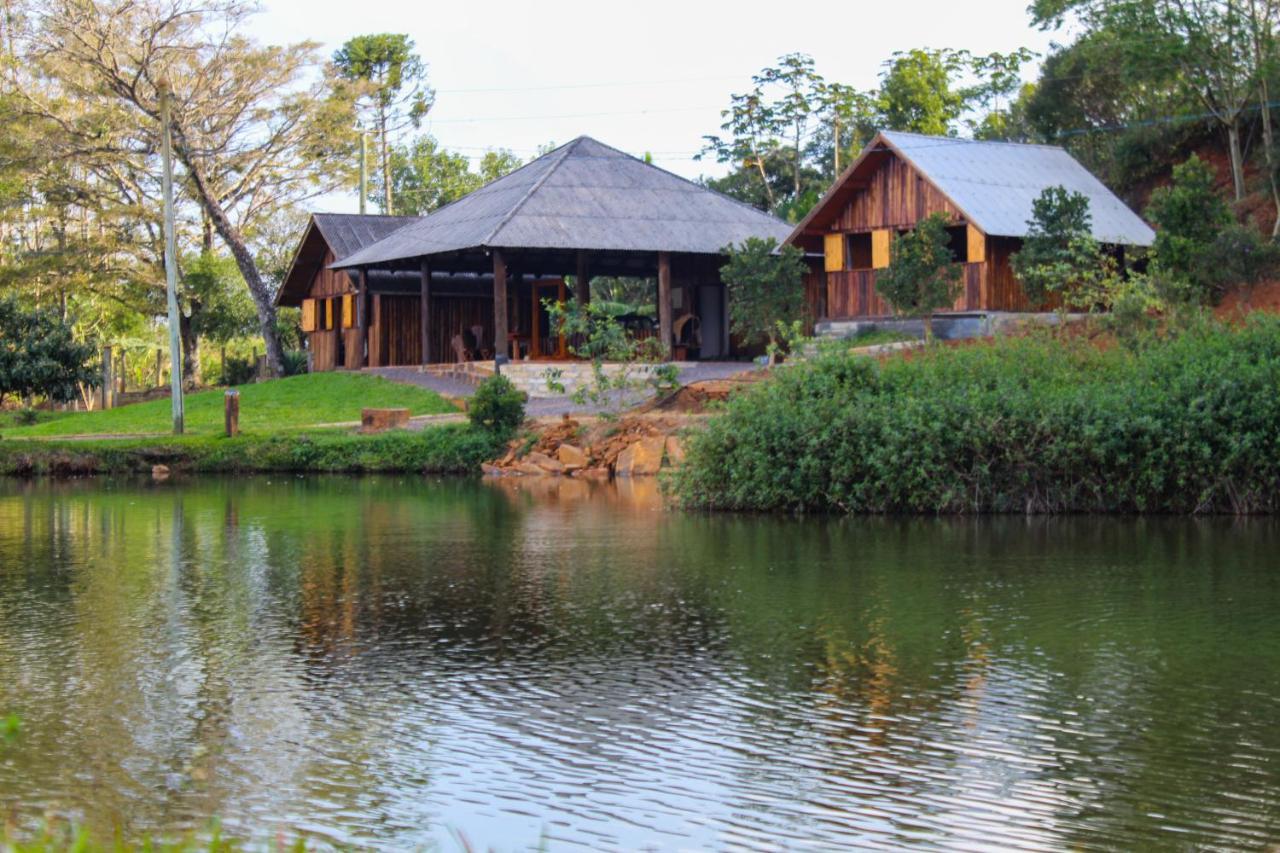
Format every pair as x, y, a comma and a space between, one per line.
396, 662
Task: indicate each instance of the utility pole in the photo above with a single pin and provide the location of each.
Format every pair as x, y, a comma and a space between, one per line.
364, 170
171, 263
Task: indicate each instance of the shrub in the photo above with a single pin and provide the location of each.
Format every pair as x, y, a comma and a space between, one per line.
1185, 425
238, 371
295, 362
497, 406
921, 278
765, 287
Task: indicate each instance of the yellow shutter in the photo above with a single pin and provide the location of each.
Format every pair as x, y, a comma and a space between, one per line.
833, 246
328, 314
308, 315
880, 249
348, 311
977, 245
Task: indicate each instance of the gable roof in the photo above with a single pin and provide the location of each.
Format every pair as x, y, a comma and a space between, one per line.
339, 234
582, 195
994, 184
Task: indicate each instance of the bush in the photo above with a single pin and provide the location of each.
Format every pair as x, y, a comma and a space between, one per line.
295, 362
497, 407
1028, 425
238, 371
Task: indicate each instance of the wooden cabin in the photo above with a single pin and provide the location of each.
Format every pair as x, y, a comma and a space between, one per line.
383, 291
986, 189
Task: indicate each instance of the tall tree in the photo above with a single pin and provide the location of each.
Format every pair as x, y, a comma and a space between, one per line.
427, 176
255, 130
392, 81
921, 277
918, 91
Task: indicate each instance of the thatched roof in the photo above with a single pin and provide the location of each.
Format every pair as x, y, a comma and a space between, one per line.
581, 196
993, 183
332, 236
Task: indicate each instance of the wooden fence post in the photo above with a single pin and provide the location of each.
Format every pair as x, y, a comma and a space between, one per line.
231, 412
159, 366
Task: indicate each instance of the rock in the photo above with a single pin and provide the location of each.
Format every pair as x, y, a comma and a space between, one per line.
528, 468
545, 462
642, 458
675, 451
160, 472
491, 470
592, 473
381, 420
571, 457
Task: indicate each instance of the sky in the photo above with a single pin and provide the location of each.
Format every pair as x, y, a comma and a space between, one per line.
643, 77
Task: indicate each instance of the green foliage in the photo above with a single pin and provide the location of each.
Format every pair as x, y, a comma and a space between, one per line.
621, 364
1190, 215
921, 277
448, 449
388, 63
497, 406
39, 355
426, 176
1239, 255
1059, 253
1189, 424
216, 297
272, 406
917, 91
765, 287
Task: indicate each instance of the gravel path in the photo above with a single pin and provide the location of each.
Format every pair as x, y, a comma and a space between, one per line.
543, 406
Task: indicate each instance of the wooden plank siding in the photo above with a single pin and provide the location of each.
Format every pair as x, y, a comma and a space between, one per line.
895, 196
852, 293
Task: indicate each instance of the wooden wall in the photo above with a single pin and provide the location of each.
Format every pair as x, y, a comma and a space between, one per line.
895, 196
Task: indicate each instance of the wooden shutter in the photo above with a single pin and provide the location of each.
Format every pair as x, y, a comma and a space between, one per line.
833, 247
348, 311
328, 314
977, 242
308, 315
880, 248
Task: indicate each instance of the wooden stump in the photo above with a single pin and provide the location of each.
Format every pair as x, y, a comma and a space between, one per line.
381, 420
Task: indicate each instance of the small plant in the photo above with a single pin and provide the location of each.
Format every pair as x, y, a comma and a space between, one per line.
10, 727
616, 357
921, 278
765, 287
497, 407
26, 416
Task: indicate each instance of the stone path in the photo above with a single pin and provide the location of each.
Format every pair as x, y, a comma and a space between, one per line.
544, 406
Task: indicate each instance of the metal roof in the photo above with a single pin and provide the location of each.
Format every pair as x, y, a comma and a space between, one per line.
582, 196
350, 232
996, 183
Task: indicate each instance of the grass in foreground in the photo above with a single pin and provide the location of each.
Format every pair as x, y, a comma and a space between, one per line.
295, 402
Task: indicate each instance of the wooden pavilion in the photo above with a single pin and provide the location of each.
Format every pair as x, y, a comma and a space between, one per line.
482, 266
987, 190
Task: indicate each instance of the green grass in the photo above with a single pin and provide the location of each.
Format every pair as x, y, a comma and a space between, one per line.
446, 449
872, 337
293, 403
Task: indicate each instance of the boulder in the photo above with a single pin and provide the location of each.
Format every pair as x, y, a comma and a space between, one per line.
642, 458
159, 472
571, 457
491, 470
675, 451
528, 468
545, 462
592, 473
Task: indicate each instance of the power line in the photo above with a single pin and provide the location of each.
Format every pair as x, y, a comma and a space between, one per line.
615, 84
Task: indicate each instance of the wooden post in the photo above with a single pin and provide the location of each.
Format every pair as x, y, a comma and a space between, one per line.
224, 364
107, 387
231, 412
582, 286
500, 345
122, 373
159, 366
362, 318
377, 332
426, 311
664, 301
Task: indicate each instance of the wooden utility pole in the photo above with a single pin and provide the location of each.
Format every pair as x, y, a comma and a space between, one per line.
170, 264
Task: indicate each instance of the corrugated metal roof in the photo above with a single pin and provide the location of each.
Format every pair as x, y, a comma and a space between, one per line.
583, 195
350, 232
996, 183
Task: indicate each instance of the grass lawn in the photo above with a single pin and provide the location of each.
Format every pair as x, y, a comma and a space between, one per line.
279, 404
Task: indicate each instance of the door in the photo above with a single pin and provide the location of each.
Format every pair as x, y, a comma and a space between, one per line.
711, 314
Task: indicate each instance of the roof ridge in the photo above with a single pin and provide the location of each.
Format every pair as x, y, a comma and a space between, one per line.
960, 140
533, 188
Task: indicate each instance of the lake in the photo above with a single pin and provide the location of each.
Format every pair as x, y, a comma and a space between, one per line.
400, 662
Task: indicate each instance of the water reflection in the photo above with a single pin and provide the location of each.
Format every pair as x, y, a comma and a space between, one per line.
387, 660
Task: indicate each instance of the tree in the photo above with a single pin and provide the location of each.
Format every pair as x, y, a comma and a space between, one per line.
921, 277
917, 91
427, 176
393, 88
1189, 215
765, 287
39, 355
255, 131
1058, 252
